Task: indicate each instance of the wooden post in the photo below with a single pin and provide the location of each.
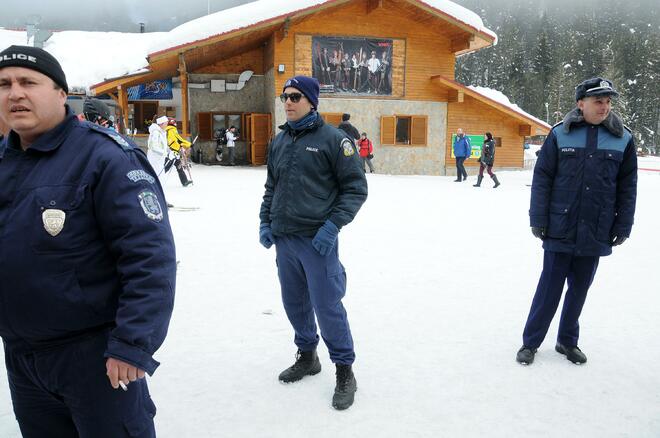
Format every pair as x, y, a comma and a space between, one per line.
183, 77
123, 104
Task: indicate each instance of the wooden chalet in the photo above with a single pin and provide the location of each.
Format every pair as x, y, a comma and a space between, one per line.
408, 102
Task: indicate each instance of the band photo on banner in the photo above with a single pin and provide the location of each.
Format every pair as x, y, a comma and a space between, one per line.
352, 65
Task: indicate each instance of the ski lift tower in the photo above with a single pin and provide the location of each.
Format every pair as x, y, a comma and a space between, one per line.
38, 36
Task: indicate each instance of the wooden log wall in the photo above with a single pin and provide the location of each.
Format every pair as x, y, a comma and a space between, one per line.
421, 50
477, 118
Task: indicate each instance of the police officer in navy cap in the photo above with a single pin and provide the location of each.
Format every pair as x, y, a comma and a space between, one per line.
88, 264
582, 204
315, 186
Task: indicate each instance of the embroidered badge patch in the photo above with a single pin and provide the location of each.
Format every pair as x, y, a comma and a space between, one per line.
53, 221
150, 205
140, 175
348, 148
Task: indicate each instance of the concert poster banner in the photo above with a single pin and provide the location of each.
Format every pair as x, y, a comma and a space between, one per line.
353, 66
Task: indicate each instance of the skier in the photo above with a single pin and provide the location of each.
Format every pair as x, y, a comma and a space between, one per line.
88, 265
582, 204
179, 146
314, 187
157, 146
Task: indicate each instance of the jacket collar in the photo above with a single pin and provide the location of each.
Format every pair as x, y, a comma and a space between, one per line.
612, 123
318, 123
49, 140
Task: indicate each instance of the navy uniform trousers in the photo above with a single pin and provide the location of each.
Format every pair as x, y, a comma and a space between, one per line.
314, 285
559, 268
63, 392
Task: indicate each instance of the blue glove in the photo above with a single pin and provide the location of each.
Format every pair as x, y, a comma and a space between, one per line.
266, 235
325, 238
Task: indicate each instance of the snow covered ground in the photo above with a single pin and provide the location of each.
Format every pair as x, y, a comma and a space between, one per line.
440, 279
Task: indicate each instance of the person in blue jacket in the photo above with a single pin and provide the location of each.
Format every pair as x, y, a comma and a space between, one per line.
88, 262
582, 204
462, 151
315, 186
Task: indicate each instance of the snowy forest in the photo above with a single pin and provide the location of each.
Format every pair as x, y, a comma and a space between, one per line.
546, 48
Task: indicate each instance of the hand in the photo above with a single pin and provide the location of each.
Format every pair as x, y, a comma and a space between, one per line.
118, 370
325, 238
617, 240
266, 235
539, 232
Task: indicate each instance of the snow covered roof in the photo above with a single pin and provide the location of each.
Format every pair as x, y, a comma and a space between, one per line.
499, 97
262, 11
91, 57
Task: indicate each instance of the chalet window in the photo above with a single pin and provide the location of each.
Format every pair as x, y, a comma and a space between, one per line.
208, 123
404, 130
333, 119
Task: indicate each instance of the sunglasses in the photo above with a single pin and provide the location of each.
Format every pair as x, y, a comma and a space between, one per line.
295, 97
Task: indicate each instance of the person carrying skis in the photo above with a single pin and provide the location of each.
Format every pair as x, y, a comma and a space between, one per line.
179, 147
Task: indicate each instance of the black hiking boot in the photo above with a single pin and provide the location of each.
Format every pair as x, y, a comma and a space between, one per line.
307, 364
525, 355
345, 389
497, 182
478, 184
574, 354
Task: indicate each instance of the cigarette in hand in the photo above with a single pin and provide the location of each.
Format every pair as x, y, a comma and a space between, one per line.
123, 386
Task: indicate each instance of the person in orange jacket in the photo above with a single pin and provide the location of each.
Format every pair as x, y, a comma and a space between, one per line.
366, 149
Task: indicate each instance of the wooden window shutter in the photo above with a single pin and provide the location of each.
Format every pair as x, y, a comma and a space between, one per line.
387, 129
418, 130
205, 126
333, 119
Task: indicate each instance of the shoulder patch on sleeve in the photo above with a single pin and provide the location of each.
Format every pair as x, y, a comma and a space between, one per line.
114, 135
140, 175
150, 205
347, 147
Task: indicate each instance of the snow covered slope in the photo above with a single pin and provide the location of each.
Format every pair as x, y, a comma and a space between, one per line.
436, 313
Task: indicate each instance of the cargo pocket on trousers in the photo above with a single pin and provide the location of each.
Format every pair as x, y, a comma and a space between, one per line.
558, 221
141, 426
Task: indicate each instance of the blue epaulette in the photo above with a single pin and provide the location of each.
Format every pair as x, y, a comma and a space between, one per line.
557, 124
114, 135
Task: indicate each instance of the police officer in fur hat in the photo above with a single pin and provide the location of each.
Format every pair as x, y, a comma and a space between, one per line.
315, 186
582, 205
88, 263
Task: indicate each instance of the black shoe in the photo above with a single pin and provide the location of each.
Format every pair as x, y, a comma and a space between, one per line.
525, 355
307, 364
345, 389
574, 354
457, 180
479, 179
497, 182
187, 183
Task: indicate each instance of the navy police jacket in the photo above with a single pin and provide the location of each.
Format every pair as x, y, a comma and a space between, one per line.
584, 186
85, 243
313, 175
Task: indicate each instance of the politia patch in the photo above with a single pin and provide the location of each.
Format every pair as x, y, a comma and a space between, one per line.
348, 148
150, 205
140, 175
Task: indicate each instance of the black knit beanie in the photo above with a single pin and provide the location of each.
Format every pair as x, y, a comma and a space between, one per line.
34, 58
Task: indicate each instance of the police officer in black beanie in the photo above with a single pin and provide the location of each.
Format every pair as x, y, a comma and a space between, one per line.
582, 204
88, 264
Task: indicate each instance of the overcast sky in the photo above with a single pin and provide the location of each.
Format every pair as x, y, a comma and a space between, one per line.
114, 15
